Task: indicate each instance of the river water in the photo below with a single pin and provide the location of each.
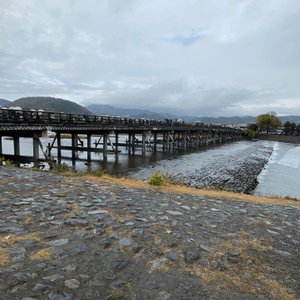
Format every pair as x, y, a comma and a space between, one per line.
281, 176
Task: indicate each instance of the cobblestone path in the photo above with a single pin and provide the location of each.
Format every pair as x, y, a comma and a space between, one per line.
67, 237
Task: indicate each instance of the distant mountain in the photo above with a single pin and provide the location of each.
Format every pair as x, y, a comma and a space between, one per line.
101, 109
5, 102
291, 119
51, 104
225, 120
151, 117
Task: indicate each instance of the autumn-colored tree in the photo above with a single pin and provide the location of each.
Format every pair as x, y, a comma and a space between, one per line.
268, 121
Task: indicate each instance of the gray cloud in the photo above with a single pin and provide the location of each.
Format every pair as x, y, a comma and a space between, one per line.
201, 57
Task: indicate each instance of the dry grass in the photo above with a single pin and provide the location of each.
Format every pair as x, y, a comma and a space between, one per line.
180, 189
239, 277
11, 240
42, 254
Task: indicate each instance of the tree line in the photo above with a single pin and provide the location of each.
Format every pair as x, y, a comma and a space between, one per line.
267, 122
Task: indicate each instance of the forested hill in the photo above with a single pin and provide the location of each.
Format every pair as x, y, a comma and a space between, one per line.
4, 102
50, 104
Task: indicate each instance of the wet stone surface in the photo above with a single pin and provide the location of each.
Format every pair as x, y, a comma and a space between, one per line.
231, 169
73, 238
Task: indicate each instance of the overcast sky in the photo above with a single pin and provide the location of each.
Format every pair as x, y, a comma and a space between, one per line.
194, 57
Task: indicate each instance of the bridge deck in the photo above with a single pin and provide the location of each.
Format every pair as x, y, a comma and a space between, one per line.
168, 133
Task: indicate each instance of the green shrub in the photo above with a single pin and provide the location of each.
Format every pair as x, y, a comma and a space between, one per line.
9, 162
156, 179
98, 172
250, 133
61, 168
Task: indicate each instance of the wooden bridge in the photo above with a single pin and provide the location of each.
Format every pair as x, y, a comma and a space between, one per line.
141, 133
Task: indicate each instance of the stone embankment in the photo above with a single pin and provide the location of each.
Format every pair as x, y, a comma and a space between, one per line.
234, 169
81, 238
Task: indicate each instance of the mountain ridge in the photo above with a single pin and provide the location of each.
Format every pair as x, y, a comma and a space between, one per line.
50, 104
67, 106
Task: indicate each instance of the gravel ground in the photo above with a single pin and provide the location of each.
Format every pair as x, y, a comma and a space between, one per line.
75, 238
233, 167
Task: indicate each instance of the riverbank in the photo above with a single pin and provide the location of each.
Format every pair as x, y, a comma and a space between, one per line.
280, 138
86, 237
232, 167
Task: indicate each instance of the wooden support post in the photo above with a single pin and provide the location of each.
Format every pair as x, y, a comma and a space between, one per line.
214, 135
58, 137
174, 140
168, 140
164, 140
0, 145
128, 142
184, 139
74, 143
36, 150
116, 143
143, 142
16, 146
133, 142
197, 139
155, 142
206, 139
89, 145
105, 145
221, 137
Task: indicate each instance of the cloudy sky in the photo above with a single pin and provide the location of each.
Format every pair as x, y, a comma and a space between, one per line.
194, 57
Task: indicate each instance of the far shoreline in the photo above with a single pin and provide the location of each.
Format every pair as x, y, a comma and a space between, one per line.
280, 138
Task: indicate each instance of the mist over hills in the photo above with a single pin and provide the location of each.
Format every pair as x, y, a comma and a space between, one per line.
67, 106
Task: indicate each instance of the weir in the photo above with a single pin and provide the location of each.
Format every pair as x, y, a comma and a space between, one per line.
141, 134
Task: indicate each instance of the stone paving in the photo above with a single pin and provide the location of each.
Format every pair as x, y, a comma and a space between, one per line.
64, 237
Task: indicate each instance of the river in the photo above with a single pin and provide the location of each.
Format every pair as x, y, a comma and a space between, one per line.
281, 175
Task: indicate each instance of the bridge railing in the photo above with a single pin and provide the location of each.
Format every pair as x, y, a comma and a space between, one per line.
54, 118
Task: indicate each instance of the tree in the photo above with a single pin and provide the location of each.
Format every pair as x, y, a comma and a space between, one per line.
289, 128
253, 127
268, 121
297, 129
250, 133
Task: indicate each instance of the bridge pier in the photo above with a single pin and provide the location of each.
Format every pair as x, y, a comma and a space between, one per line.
143, 142
116, 143
105, 145
36, 154
17, 147
74, 144
155, 142
0, 145
184, 139
89, 145
58, 139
